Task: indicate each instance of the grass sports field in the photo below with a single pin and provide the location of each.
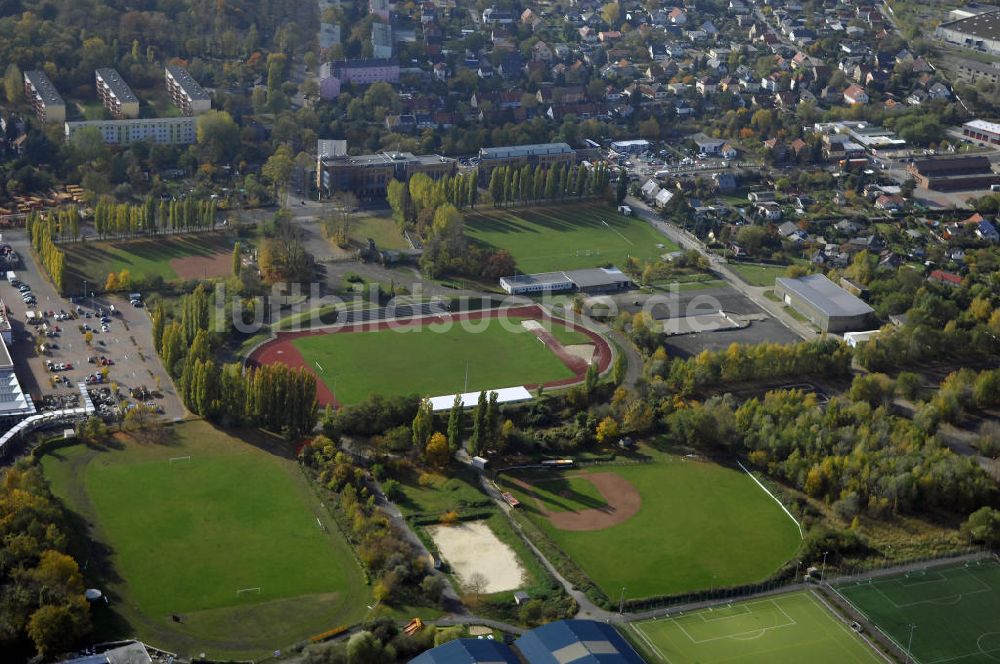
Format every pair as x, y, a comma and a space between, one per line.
424, 361
189, 523
693, 524
169, 258
785, 629
956, 610
567, 237
758, 275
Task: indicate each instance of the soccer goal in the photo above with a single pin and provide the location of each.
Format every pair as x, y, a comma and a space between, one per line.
180, 459
248, 591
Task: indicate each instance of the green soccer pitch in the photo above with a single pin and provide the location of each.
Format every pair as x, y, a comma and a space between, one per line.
567, 237
784, 629
700, 525
423, 360
222, 532
955, 610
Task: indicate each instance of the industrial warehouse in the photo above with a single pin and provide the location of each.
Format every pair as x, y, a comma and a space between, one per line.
828, 306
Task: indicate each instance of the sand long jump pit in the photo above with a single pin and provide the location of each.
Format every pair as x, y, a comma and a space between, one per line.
471, 549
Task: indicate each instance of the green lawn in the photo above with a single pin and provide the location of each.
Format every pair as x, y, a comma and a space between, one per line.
956, 610
758, 275
786, 629
383, 230
92, 261
435, 493
190, 522
428, 362
567, 237
701, 525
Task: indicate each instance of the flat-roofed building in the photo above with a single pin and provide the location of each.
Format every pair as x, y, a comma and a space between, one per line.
115, 94
185, 92
332, 75
538, 154
379, 8
828, 306
164, 131
953, 173
982, 131
637, 146
382, 40
368, 176
588, 280
48, 105
980, 32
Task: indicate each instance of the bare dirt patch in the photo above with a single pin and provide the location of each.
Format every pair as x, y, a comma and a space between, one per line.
583, 351
203, 267
623, 501
472, 550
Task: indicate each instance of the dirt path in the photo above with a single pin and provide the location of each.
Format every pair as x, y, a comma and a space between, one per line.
623, 501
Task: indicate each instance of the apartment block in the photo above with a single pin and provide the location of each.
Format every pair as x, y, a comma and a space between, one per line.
165, 131
115, 94
367, 176
358, 72
185, 92
48, 105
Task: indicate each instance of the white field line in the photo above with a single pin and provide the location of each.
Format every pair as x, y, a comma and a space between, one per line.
649, 644
773, 497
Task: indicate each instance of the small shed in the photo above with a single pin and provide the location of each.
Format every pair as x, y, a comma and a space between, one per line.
521, 597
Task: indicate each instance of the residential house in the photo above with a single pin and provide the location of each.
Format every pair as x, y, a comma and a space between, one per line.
855, 94
769, 210
987, 232
541, 52
890, 203
663, 198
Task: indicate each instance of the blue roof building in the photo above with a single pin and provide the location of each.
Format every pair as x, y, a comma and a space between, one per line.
576, 642
468, 651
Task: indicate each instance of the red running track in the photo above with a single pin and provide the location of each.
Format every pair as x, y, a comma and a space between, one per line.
281, 350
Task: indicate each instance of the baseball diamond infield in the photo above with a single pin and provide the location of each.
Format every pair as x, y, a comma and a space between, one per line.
513, 361
671, 525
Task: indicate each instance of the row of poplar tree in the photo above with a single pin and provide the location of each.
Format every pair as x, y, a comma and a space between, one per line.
120, 220
41, 230
274, 397
528, 184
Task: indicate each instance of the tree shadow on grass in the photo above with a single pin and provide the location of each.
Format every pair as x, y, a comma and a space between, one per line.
560, 495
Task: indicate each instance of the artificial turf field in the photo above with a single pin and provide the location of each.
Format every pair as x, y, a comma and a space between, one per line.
424, 361
956, 610
186, 535
567, 237
700, 525
144, 259
784, 629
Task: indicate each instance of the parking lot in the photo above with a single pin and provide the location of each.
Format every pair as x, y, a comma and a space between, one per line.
52, 354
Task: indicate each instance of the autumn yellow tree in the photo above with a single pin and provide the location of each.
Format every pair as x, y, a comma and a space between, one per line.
437, 452
111, 284
607, 430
